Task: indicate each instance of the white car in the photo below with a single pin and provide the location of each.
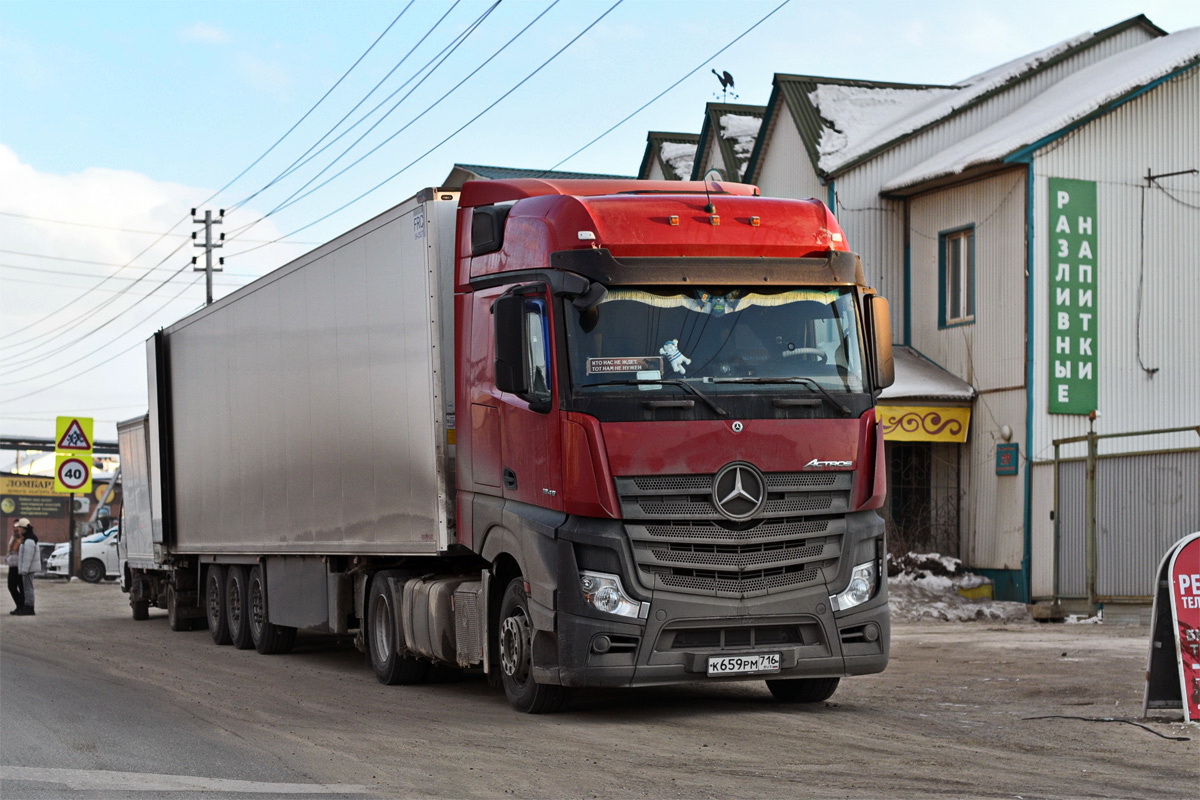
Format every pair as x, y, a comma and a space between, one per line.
98, 557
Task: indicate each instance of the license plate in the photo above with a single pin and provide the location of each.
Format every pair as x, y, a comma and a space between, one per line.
743, 665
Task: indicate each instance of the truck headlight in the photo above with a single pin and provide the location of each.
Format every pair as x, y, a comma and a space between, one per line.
864, 579
604, 592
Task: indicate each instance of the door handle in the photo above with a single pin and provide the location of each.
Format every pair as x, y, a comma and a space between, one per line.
510, 479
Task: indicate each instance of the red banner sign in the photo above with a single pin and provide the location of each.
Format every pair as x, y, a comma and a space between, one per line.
1185, 613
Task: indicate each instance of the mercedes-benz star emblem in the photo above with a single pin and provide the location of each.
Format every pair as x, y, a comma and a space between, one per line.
739, 491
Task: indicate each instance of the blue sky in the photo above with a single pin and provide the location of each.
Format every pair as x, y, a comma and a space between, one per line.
117, 117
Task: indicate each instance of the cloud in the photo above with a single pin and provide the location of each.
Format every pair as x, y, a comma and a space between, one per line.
205, 33
77, 293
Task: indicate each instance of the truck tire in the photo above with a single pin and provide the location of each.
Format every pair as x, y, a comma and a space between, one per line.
392, 665
516, 657
141, 609
92, 570
803, 690
214, 603
174, 620
237, 606
269, 638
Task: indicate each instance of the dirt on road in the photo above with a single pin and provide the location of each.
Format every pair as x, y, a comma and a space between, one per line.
963, 710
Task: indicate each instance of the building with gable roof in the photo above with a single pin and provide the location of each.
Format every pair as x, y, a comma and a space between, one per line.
669, 156
727, 139
959, 198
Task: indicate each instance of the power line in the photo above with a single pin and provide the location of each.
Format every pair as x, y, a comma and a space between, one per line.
292, 199
19, 362
62, 367
443, 54
461, 128
697, 68
112, 228
314, 106
302, 160
44, 271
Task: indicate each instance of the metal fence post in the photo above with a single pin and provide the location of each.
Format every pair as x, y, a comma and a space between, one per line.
1090, 521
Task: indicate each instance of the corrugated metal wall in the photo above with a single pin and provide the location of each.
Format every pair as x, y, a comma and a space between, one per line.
876, 226
989, 353
1156, 132
786, 169
1144, 503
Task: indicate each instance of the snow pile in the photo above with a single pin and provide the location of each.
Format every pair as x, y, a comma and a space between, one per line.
679, 157
923, 106
925, 587
742, 129
1064, 103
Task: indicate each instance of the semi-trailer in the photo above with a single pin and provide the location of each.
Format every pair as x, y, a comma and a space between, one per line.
572, 433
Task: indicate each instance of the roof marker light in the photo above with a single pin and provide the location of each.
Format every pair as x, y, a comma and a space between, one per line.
755, 222
715, 219
587, 236
673, 219
837, 237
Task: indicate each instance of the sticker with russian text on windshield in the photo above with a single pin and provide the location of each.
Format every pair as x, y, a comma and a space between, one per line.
601, 366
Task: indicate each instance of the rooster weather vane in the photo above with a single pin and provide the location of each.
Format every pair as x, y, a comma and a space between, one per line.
726, 86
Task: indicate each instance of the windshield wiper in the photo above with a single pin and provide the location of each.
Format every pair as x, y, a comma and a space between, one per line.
803, 381
720, 412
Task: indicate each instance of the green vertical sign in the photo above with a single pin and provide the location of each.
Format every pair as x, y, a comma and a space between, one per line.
1073, 318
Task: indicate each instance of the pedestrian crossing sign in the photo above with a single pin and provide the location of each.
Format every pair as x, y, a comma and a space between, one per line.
73, 435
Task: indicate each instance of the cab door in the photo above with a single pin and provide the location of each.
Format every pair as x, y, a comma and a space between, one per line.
529, 417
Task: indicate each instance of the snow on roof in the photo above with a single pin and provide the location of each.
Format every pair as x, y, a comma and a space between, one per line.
937, 103
679, 156
1064, 103
918, 378
742, 130
858, 111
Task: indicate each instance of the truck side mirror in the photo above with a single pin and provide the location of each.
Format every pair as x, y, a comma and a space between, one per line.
881, 327
508, 314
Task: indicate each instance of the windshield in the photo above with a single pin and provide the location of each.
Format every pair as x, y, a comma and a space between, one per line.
717, 337
99, 536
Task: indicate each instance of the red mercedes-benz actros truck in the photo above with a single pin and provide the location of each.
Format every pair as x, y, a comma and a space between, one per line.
573, 433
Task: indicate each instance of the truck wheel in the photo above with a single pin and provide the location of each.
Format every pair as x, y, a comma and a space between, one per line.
141, 609
237, 606
516, 657
92, 570
214, 603
383, 636
803, 690
174, 620
269, 638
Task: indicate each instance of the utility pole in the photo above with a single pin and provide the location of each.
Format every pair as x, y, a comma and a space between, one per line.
208, 244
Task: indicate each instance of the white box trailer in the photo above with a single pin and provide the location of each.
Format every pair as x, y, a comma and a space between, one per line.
310, 412
305, 417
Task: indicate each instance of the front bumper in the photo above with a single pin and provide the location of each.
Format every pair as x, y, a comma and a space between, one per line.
683, 630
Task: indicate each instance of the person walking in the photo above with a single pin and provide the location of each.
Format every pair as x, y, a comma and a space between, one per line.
28, 561
16, 587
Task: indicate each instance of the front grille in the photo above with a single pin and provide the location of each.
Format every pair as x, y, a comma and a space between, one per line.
682, 542
752, 636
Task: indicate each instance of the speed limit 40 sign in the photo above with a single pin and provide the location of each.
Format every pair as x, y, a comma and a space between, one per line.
72, 474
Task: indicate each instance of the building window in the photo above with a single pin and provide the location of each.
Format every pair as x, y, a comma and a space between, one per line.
956, 259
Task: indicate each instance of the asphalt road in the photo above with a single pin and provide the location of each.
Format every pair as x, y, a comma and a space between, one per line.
95, 705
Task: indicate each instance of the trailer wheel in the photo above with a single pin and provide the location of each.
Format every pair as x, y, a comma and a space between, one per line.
237, 606
384, 633
269, 638
92, 570
803, 690
141, 609
214, 603
516, 657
